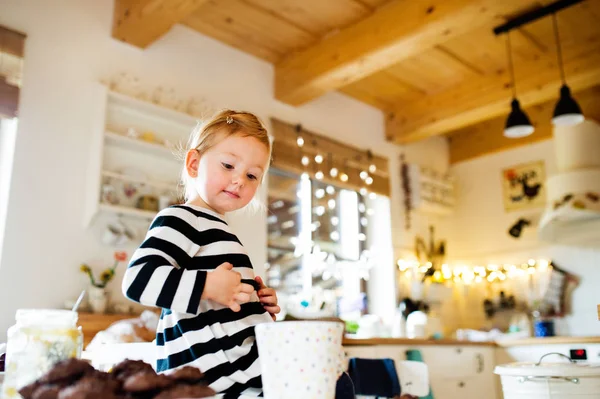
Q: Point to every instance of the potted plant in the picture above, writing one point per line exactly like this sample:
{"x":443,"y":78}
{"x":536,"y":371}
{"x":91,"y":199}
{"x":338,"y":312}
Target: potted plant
{"x":97,"y":295}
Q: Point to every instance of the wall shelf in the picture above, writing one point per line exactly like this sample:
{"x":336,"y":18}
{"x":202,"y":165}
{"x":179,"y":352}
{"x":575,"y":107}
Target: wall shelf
{"x":140,"y":180}
{"x":149,"y":108}
{"x":128,"y":211}
{"x":151,"y":167}
{"x":138,"y":145}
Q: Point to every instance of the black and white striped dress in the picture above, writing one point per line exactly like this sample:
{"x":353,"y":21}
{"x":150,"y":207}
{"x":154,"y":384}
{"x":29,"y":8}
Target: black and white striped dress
{"x":169,"y":270}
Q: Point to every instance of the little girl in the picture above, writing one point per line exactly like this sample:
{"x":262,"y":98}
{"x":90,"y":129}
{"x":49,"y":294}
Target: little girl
{"x":193,"y":266}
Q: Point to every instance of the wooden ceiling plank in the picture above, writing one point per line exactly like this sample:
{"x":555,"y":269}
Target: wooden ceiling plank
{"x":232,"y":37}
{"x":317,"y":17}
{"x":394,"y":32}
{"x":482,"y":48}
{"x":255,"y":27}
{"x":467,"y":65}
{"x":141,"y":22}
{"x":576,"y":24}
{"x":433,"y":71}
{"x":486,"y":137}
{"x":373,"y":4}
{"x":488,"y":97}
{"x":381,"y":90}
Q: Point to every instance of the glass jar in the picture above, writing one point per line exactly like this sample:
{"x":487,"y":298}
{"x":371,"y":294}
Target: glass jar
{"x":40,"y":338}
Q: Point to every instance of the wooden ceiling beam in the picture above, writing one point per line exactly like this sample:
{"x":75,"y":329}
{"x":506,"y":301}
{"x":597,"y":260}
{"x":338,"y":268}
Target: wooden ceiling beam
{"x":394,"y":32}
{"x":11,"y":42}
{"x":141,"y":22}
{"x":486,"y":137}
{"x":488,"y":97}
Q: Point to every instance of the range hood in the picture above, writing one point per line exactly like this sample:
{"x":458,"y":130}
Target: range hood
{"x":572,"y":214}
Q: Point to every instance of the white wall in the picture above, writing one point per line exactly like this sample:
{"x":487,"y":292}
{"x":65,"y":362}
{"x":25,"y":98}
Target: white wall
{"x":480,"y":231}
{"x":68,"y":47}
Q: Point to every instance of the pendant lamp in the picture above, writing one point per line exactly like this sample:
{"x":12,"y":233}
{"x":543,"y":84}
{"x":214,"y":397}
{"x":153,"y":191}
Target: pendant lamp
{"x":567,"y":112}
{"x":517,"y":124}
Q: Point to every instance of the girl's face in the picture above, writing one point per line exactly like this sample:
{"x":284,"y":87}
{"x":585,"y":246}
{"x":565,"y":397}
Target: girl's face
{"x":227,"y":176}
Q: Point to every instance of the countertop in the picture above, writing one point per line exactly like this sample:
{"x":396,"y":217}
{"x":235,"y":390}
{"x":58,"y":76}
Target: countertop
{"x":454,"y":342}
{"x":548,"y":341}
{"x":411,"y":341}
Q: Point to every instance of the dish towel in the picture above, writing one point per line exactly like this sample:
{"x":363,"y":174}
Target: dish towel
{"x":415,"y":355}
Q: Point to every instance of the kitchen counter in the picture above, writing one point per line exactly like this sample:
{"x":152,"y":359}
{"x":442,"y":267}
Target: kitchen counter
{"x":454,"y":342}
{"x":548,"y":341}
{"x":411,"y":341}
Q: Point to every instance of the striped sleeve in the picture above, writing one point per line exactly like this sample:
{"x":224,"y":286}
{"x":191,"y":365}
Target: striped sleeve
{"x":158,"y":273}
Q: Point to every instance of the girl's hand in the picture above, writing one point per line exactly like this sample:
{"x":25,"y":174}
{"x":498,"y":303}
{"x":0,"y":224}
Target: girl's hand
{"x":268,"y":298}
{"x":225,"y":286}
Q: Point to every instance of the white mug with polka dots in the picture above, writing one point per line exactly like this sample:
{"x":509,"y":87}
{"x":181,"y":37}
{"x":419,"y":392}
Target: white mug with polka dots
{"x":300,"y":359}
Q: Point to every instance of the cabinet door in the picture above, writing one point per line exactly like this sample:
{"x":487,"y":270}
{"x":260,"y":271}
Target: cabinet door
{"x":463,"y":388}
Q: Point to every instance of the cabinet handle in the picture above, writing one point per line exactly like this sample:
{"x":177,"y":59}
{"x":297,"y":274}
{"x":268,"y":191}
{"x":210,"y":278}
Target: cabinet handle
{"x":573,"y":380}
{"x":479,"y":358}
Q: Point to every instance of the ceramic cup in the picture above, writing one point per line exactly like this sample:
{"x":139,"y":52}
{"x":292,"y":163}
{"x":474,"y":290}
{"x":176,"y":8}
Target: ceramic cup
{"x":117,"y":234}
{"x":300,"y":359}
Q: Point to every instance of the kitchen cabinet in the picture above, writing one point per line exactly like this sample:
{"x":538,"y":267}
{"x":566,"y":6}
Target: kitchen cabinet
{"x":455,"y":371}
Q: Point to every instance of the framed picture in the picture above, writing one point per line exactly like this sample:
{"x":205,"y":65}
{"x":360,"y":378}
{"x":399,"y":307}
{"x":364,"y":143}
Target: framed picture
{"x":524,"y":186}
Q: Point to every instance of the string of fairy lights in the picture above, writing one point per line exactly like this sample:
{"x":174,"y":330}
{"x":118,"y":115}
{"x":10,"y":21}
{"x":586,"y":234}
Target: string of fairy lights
{"x":474,"y":274}
{"x":321,"y":167}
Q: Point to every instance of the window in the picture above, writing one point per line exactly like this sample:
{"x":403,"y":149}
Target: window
{"x":316,"y":235}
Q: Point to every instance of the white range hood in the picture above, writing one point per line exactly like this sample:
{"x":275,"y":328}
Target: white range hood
{"x":572,"y":215}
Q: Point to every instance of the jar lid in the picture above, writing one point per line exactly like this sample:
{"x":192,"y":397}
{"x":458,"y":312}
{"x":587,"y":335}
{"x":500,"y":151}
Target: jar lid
{"x":46,"y":317}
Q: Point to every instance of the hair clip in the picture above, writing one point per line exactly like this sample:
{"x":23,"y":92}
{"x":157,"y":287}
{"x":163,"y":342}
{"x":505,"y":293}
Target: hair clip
{"x":229,"y":120}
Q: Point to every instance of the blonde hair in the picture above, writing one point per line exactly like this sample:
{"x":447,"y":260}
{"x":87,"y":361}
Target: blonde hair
{"x":220,"y":126}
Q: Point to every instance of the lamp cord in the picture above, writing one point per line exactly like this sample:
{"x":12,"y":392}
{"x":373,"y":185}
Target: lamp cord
{"x":510,"y":65}
{"x":558,"y":49}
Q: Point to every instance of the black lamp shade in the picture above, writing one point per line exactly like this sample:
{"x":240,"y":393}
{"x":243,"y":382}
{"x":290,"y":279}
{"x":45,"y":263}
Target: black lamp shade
{"x":517,"y":124}
{"x":567,"y":112}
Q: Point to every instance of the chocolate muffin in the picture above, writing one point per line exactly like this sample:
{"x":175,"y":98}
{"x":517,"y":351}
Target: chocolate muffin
{"x":187,"y":374}
{"x":88,"y":388}
{"x":144,"y":381}
{"x":127,"y":368}
{"x":66,"y":370}
{"x":28,"y":390}
{"x":186,"y":391}
{"x":47,"y":392}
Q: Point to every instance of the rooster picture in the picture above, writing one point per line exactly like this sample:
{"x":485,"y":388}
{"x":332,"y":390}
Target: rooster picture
{"x":524,"y":186}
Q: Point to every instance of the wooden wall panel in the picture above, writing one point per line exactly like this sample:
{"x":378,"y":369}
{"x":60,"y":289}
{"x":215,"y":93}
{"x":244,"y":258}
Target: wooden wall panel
{"x":350,"y":160}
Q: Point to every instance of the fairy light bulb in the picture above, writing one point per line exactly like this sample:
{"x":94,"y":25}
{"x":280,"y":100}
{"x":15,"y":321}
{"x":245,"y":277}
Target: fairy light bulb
{"x":331,"y":203}
{"x":319,"y":175}
{"x":319,"y":158}
{"x":305,"y":160}
{"x":363,"y":191}
{"x":344,"y":177}
{"x":363,"y":175}
{"x":333,"y":172}
{"x":304,"y":176}
{"x":330,"y":190}
{"x":369,"y":180}
{"x":372,"y":195}
{"x":300,"y":141}
{"x":372,"y":168}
